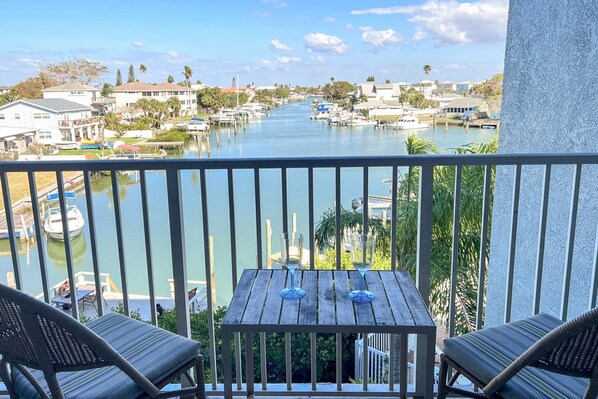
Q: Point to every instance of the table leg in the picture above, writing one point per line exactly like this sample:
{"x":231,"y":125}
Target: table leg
{"x":430,"y":356}
{"x":249,"y":364}
{"x":227,"y":364}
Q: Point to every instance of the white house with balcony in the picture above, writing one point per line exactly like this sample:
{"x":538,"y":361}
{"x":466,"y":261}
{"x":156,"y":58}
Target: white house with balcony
{"x":75,"y":92}
{"x":54,"y":120}
{"x":126,"y":95}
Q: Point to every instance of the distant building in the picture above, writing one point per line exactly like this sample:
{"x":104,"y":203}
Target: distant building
{"x":426,"y":87}
{"x":4,"y":89}
{"x":380,"y":91}
{"x":15,"y":138}
{"x":468,"y":106}
{"x":76,"y":92}
{"x":464,"y":87}
{"x":447,"y":86}
{"x":52,"y":119}
{"x":126,"y":95}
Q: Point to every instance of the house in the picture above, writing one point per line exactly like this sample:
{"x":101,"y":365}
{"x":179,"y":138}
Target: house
{"x":53,"y":119}
{"x":447,"y":86}
{"x":75,"y":92}
{"x":126,"y":95}
{"x":4,"y":89}
{"x":426,"y":87}
{"x":467,"y":105}
{"x":380,"y":91}
{"x":464,"y":87}
{"x":16,"y":138}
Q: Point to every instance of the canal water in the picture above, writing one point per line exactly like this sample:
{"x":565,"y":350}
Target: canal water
{"x":286,"y":132}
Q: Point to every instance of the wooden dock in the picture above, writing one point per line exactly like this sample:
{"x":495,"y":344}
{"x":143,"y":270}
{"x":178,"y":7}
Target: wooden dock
{"x":161,"y":144}
{"x":23,"y":225}
{"x":484,"y":123}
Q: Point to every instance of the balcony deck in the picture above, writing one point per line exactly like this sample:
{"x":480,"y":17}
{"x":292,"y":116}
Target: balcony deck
{"x":252,"y":233}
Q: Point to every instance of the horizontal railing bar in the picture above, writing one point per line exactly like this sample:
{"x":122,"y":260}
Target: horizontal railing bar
{"x":316,"y":162}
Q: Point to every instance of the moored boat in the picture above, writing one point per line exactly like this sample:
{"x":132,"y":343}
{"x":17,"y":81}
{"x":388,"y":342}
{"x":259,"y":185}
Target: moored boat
{"x":52,"y":223}
{"x":409,"y":122}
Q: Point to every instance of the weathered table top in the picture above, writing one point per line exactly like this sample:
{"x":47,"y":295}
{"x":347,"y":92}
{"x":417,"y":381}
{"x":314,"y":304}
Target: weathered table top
{"x":66,"y":297}
{"x":256,"y":305}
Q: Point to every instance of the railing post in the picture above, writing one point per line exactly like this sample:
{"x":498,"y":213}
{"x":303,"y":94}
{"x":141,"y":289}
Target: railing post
{"x":177,"y":247}
{"x":424,"y":251}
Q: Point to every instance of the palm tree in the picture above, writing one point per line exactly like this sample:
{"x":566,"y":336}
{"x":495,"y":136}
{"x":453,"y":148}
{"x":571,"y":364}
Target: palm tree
{"x":142,"y":69}
{"x":427,"y":69}
{"x":187,"y":72}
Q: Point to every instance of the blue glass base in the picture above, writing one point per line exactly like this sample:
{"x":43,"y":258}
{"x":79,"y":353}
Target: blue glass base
{"x":362,"y":296}
{"x":296,"y":293}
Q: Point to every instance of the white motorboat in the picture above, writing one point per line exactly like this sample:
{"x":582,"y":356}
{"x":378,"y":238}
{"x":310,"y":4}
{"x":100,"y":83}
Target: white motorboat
{"x":409,"y":122}
{"x":53,"y":218}
{"x":359,"y":120}
{"x":197,"y":125}
{"x":225,"y":115}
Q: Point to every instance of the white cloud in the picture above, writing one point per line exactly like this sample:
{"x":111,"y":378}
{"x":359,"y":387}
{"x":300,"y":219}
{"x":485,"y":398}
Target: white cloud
{"x":349,"y":26}
{"x":319,"y":59}
{"x":329,"y":19}
{"x":137,"y":44}
{"x":452,"y":22}
{"x":286,"y":60}
{"x":325,"y":44}
{"x":277,"y":45}
{"x":419,"y":36}
{"x":267,"y":63}
{"x":261,"y":14}
{"x":173,"y":54}
{"x":380,"y":38}
{"x":275,"y":3}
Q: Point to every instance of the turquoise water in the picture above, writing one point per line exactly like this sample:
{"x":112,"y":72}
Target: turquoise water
{"x":287,"y":132}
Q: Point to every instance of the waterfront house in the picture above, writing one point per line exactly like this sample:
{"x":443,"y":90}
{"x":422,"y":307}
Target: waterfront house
{"x":447,"y":87}
{"x":53,"y":119}
{"x":380,"y":91}
{"x":467,"y":105}
{"x":426,"y":87}
{"x":126,"y":95}
{"x":82,"y":94}
{"x":15,"y":138}
{"x":4,"y":89}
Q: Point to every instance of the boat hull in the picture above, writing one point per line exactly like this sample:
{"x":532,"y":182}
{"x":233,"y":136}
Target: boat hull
{"x":57,"y":235}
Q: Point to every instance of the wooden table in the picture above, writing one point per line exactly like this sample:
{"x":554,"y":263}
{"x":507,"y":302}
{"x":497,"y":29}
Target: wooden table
{"x":256,"y":307}
{"x":65,"y":299}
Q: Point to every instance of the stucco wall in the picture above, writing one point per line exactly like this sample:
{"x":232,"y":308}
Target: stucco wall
{"x":550,"y":99}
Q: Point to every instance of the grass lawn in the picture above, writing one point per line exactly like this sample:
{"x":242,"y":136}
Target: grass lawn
{"x":19,"y":184}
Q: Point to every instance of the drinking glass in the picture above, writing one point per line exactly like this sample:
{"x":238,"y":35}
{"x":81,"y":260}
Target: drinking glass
{"x":291,"y":256}
{"x":362,"y":256}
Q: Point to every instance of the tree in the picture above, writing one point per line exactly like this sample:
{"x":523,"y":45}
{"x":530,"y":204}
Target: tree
{"x":338,"y":90}
{"x":188,"y":73}
{"x":154,"y":110}
{"x":131,"y":77}
{"x":387,"y":81}
{"x":30,"y":88}
{"x":70,"y":70}
{"x":442,"y":231}
{"x":175,"y":106}
{"x":371,"y":78}
{"x":416,"y":99}
{"x":490,"y":89}
{"x":106,"y":90}
{"x":210,"y":98}
{"x":9,"y":97}
{"x":119,"y":78}
{"x":427,"y":69}
{"x":142,"y":69}
{"x":332,"y":79}
{"x":170,"y":79}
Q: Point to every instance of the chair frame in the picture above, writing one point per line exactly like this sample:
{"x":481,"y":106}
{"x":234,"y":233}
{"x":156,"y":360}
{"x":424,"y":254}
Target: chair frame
{"x":35,"y":316}
{"x":558,"y":351}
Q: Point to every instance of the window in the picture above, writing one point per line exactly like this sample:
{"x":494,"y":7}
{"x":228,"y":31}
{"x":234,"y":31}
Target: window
{"x":44,"y":135}
{"x":76,"y":93}
{"x":1,"y":116}
{"x":41,"y":115}
{"x":146,"y":93}
{"x":17,"y":117}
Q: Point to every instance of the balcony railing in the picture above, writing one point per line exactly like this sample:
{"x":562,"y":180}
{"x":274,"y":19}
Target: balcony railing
{"x":79,"y":122}
{"x":249,"y":175}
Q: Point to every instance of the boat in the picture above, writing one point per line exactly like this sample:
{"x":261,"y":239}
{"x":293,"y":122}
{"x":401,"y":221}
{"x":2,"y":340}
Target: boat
{"x":359,"y":120}
{"x":127,"y":151}
{"x":225,"y":115}
{"x":52,"y":223}
{"x":197,"y":125}
{"x":409,"y":122}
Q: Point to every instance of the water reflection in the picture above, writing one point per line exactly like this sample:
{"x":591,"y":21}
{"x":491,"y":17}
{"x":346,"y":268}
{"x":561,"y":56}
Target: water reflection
{"x":56,"y":252}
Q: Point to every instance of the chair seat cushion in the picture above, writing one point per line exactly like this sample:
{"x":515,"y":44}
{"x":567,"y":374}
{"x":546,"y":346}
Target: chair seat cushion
{"x":154,"y":352}
{"x":487,"y":352}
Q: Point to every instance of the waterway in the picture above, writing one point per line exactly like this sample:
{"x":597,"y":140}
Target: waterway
{"x":286,"y":132}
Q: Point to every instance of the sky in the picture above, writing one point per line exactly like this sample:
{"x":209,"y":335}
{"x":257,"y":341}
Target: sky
{"x":296,"y":42}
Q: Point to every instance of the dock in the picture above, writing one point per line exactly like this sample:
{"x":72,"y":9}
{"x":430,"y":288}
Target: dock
{"x":485,"y":123}
{"x":161,"y":144}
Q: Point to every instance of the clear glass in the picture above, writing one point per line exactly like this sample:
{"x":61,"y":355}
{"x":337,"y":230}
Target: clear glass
{"x":363,"y":247}
{"x":291,"y":257}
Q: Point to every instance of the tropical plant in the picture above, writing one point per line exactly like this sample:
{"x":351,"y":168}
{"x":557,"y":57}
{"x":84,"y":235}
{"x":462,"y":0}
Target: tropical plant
{"x":170,"y":79}
{"x":442,"y":231}
{"x":338,"y":90}
{"x":142,"y":69}
{"x":188,"y":73}
{"x":427,"y":69}
{"x":175,"y":106}
{"x":119,"y":78}
{"x":131,"y":77}
{"x":106,"y":90}
{"x":9,"y":97}
{"x":210,"y":98}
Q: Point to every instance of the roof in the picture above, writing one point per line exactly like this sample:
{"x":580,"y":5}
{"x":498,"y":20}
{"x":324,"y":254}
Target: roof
{"x":4,"y":87}
{"x":386,"y":86}
{"x":52,"y":104}
{"x":10,"y":132}
{"x":140,"y":86}
{"x":465,"y":103}
{"x":71,"y":86}
{"x":378,"y":104}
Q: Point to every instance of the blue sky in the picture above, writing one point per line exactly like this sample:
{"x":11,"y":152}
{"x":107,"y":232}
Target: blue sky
{"x":265,"y":41}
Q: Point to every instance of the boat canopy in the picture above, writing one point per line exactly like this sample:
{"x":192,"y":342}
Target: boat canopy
{"x":55,"y":196}
{"x":198,"y":119}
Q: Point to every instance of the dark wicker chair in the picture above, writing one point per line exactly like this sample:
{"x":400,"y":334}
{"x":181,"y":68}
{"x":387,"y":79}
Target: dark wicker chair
{"x":537,"y":357}
{"x":48,"y":354}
